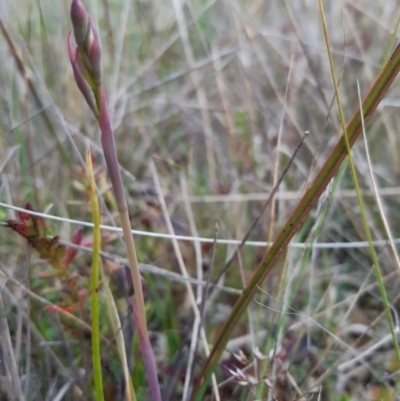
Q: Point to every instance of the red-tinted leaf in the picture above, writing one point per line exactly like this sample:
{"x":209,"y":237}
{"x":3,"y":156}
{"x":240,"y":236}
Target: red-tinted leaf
{"x":28,"y":232}
{"x":71,"y":253}
{"x":28,"y":226}
{"x":28,"y":206}
{"x":33,"y":228}
{"x":35,"y":221}
{"x":26,"y":219}
{"x":77,"y":237}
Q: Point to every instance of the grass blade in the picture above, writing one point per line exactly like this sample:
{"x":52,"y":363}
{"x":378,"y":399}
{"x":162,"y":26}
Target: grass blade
{"x":98,"y":379}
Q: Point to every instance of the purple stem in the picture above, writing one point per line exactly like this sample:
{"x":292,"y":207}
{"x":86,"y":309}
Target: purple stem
{"x":110,"y":153}
{"x":148,"y":358}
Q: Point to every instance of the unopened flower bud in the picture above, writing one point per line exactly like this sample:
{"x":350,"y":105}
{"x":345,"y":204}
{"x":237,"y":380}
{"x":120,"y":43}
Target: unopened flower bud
{"x":86,"y":59}
{"x":80,"y":73}
{"x":94,"y":53}
{"x":80,"y":21}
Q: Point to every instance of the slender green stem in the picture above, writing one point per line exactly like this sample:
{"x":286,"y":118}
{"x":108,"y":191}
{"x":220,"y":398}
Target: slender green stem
{"x":96,"y":356}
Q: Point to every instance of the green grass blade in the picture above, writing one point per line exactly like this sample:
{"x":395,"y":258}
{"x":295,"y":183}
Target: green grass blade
{"x":98,"y":379}
{"x":327,"y":171}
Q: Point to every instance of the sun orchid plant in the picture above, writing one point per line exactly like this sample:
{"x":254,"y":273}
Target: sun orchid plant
{"x":87,"y":69}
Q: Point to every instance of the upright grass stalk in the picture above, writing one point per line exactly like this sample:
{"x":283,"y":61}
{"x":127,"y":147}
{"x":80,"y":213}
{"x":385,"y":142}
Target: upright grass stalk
{"x":374,"y":257}
{"x":96,"y":356}
{"x":305,"y":205}
{"x":86,"y":65}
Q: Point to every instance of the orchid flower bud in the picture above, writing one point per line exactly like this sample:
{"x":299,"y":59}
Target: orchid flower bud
{"x":80,"y":77}
{"x":80,"y":21}
{"x":88,"y":41}
{"x":86,"y":59}
{"x":93,"y":52}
